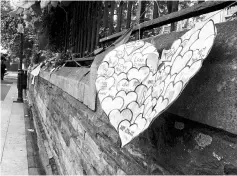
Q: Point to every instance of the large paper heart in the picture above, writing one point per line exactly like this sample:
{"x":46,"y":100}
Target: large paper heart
{"x":135,"y":86}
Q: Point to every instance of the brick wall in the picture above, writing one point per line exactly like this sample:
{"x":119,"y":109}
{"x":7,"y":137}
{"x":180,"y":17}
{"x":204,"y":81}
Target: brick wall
{"x":78,"y":139}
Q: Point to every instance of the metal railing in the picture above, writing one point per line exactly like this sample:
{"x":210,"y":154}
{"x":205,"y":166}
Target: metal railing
{"x":94,"y":24}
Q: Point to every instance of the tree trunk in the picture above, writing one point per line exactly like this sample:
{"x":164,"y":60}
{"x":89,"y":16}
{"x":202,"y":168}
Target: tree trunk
{"x":156,"y":14}
{"x":173,"y":6}
{"x":156,"y":10}
{"x":105,"y":20}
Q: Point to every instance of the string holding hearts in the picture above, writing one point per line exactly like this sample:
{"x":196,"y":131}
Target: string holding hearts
{"x":135,"y":85}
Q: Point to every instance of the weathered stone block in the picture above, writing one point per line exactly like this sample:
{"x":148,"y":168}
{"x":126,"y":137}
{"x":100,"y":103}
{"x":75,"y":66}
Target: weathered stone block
{"x":31,"y":161}
{"x":92,"y":146}
{"x":81,"y":91}
{"x":33,"y":171}
{"x":48,"y":150}
{"x":86,"y":95}
{"x":65,"y":133}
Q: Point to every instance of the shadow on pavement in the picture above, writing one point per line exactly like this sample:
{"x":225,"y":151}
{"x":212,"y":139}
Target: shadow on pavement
{"x":6,"y":82}
{"x":4,"y":91}
{"x":5,"y":87}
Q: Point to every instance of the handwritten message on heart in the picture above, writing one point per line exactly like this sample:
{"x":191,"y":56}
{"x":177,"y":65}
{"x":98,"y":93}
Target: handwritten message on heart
{"x":135,"y":86}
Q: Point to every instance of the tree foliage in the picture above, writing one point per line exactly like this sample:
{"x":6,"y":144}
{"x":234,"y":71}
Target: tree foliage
{"x":10,"y":37}
{"x":29,"y":14}
{"x":8,"y":25}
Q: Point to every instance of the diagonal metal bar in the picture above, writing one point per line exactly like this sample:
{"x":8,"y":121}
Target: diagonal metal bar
{"x":193,"y":11}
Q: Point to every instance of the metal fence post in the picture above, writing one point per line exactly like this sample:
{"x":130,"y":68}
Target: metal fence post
{"x":20,"y":73}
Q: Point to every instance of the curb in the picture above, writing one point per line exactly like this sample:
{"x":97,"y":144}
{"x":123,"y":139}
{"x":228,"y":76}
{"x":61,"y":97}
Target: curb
{"x":34,"y":163}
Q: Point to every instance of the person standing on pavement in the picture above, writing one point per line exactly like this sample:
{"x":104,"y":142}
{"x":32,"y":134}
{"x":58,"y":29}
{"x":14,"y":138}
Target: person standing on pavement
{"x":3,"y":67}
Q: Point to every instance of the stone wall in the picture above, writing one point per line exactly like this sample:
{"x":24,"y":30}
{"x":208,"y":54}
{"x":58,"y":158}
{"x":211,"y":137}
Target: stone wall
{"x":76,"y":138}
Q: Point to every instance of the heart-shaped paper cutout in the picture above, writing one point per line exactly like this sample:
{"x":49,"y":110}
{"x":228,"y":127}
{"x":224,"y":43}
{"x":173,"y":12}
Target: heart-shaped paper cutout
{"x":134,"y":86}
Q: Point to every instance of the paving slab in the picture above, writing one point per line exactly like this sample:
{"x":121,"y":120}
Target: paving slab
{"x":6,"y":110}
{"x":13,"y":140}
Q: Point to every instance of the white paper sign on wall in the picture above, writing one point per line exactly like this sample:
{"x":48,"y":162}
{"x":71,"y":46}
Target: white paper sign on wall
{"x":135,"y":86}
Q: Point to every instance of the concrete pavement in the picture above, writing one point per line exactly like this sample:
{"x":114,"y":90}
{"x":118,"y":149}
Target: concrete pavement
{"x":13,"y":138}
{"x":11,"y":75}
{"x":7,"y":82}
{"x":4,"y":90}
{"x":19,"y":154}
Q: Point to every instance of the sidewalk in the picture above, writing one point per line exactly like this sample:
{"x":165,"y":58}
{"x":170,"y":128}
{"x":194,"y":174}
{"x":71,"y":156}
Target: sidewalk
{"x":19,"y":151}
{"x":11,"y":75}
{"x":13,"y":138}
